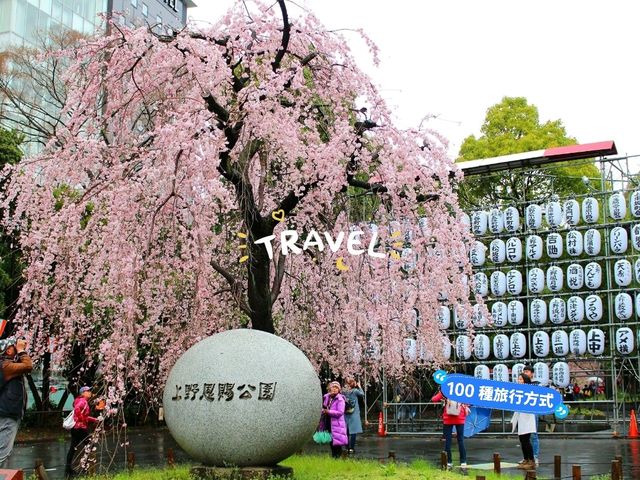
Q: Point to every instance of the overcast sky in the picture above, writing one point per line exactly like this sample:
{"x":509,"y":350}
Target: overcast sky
{"x":576,"y":60}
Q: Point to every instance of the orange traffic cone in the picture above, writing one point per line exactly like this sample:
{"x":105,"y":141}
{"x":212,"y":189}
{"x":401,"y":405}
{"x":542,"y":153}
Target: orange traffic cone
{"x":633,"y":425}
{"x":381,"y":430}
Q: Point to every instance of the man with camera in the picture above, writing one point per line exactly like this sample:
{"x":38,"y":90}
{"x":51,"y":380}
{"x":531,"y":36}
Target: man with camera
{"x":15,"y":363}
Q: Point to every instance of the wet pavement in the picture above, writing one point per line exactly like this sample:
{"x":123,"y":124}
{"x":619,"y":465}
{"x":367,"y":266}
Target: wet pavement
{"x":593,"y":454}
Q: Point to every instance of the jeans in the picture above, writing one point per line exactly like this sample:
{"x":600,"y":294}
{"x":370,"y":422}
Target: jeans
{"x":352,"y":441}
{"x":8,"y":431}
{"x":525,"y":443}
{"x":448,"y":434}
{"x":535,"y":444}
{"x":78,"y":436}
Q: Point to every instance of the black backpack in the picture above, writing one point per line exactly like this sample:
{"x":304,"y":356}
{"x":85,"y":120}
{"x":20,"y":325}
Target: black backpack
{"x":349,"y":406}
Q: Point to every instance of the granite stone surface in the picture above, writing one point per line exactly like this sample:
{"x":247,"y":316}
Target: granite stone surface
{"x":242,"y":398}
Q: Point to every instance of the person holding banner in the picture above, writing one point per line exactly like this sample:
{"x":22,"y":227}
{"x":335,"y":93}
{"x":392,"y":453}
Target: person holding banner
{"x":454,"y":415}
{"x":525,"y":424}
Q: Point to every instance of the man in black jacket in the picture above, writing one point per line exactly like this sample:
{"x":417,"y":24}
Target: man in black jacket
{"x":15,"y":364}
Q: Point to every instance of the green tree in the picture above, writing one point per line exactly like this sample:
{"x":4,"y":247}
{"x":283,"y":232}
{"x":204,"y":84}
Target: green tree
{"x":513,"y":126}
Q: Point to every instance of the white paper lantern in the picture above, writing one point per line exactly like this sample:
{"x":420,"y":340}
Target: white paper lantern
{"x":410,"y":349}
{"x":482,"y":372}
{"x":636,"y":269}
{"x":573,"y":242}
{"x":575,"y":276}
{"x":635,"y":236}
{"x":638,"y":307}
{"x":536,"y":280}
{"x":481,"y":346}
{"x":618,"y":240}
{"x":444,"y":318}
{"x":496,"y":221}
{"x":499,"y":314}
{"x":617,"y":206}
{"x":634,"y":203}
{"x":446,"y":348}
{"x":593,"y":275}
{"x":463,"y":347}
{"x":554,"y":245}
{"x":577,"y":342}
{"x":533,"y":214}
{"x":516,"y":370}
{"x":501,"y":346}
{"x":554,"y":214}
{"x":478,"y":318}
{"x":466,"y":220}
{"x":593,"y":308}
{"x":557,"y":311}
{"x":498,"y":283}
{"x":561,"y":374}
{"x":514,"y":249}
{"x":481,"y":283}
{"x":592,"y":242}
{"x":479,"y":221}
{"x":541,"y":373}
{"x":518,"y":345}
{"x":461,"y":320}
{"x":500,"y":372}
{"x":555,"y":278}
{"x":511,"y":219}
{"x":497,"y":250}
{"x":477,"y":254}
{"x":572,"y":212}
{"x":575,"y":309}
{"x":538,"y":312}
{"x":622,"y":272}
{"x":515,"y":312}
{"x":540,"y":344}
{"x":560,"y":343}
{"x":623,"y":305}
{"x":514,"y":282}
{"x":590,"y":210}
{"x":534,"y":247}
{"x":624,"y":340}
{"x":595,"y":341}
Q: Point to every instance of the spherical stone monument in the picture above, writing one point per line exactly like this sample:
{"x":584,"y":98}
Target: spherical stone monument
{"x":242,"y":398}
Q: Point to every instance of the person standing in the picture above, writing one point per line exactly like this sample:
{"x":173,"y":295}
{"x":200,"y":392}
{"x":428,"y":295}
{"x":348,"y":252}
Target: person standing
{"x":525,"y":425}
{"x":333,"y":405}
{"x":352,"y":417}
{"x":80,"y":431}
{"x":454,"y":415}
{"x":16,"y":363}
{"x":535,"y":441}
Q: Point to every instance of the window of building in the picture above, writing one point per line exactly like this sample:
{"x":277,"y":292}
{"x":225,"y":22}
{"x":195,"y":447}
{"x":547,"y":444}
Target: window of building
{"x":134,"y":3}
{"x":159,"y":20}
{"x":145,"y":10}
{"x":171,"y":4}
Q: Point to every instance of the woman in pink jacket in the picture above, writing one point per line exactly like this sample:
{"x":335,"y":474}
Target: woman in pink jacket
{"x":80,"y":431}
{"x":333,"y":405}
{"x":453,"y":416}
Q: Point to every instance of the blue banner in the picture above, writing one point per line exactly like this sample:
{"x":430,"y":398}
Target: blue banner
{"x":516,"y":397}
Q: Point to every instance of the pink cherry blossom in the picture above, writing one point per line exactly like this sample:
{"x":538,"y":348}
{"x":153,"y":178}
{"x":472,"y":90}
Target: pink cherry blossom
{"x":128,"y":220}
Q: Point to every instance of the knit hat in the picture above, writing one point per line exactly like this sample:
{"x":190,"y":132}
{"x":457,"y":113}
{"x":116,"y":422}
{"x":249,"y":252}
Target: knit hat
{"x":84,"y":389}
{"x":335,"y":384}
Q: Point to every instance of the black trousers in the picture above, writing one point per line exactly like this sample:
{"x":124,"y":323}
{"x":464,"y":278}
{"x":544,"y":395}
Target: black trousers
{"x":336,"y":451}
{"x":78,"y":437}
{"x":525,"y":443}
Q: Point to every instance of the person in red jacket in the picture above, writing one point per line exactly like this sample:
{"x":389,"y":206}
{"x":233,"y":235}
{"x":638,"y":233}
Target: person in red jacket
{"x":453,"y":416}
{"x":80,"y":431}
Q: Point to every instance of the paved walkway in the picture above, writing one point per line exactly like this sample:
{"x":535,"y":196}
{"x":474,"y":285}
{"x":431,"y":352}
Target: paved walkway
{"x":594,"y":455}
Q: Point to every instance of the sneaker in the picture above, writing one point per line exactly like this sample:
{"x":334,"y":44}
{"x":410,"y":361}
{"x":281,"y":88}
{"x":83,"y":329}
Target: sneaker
{"x":537,"y":462}
{"x":449,"y":465}
{"x":351,"y":451}
{"x":463,"y":465}
{"x":521,"y":461}
{"x":527,"y":465}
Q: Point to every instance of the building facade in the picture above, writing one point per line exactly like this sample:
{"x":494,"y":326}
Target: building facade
{"x":23,"y":22}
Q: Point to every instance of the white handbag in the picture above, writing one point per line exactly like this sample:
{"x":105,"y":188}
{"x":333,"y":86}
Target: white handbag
{"x":69,"y":422}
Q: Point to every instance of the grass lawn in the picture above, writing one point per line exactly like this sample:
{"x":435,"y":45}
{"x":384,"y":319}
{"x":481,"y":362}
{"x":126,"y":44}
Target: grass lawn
{"x":317,"y":467}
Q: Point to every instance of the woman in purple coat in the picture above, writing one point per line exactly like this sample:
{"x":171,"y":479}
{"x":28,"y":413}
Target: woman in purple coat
{"x":333,"y":406}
